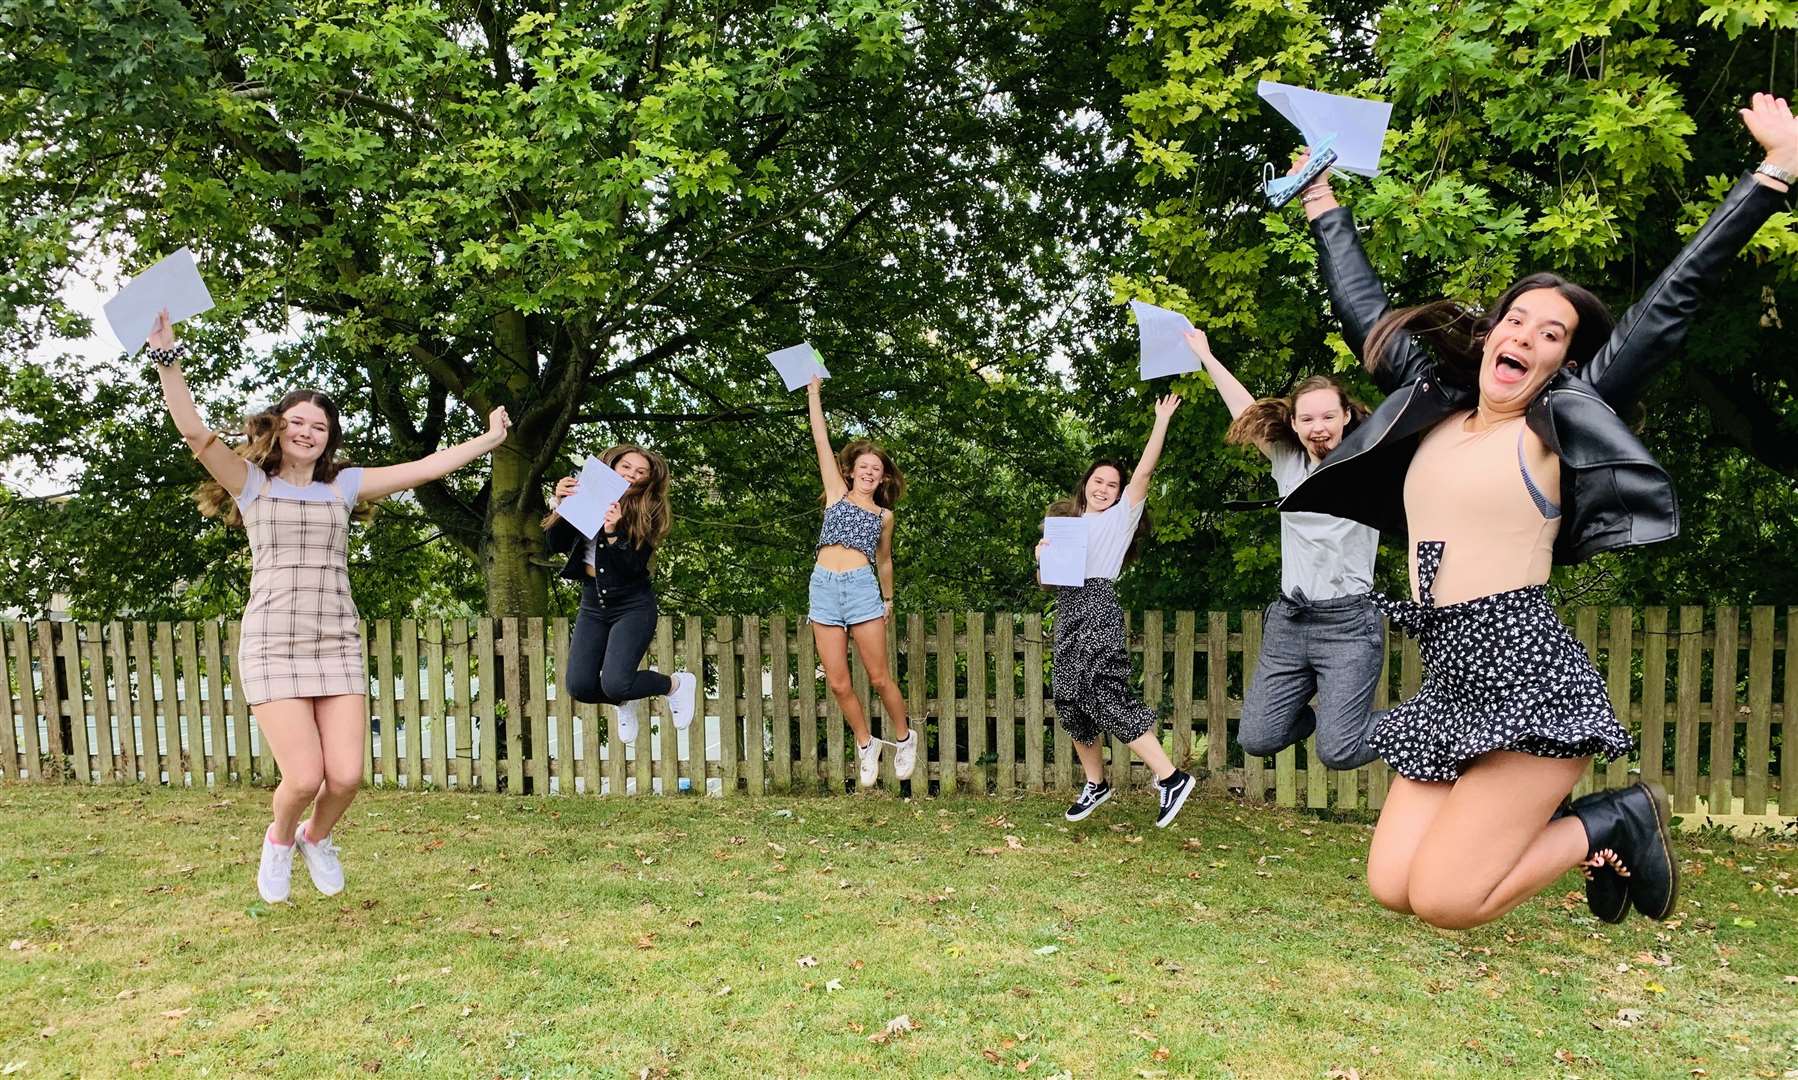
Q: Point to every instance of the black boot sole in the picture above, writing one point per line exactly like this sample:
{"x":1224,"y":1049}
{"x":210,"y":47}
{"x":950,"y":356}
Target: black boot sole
{"x":1662,"y":816}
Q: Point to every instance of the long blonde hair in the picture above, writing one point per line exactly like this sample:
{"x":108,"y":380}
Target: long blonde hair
{"x":261,"y":449}
{"x":643,"y":509}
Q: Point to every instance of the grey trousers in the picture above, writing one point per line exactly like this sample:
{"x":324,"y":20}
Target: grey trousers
{"x":1331,"y":648}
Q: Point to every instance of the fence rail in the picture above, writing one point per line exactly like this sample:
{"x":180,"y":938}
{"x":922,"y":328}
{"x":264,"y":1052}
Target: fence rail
{"x":474,"y":704}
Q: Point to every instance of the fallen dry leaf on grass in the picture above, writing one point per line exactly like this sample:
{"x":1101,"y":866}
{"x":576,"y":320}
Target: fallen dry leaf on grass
{"x":895,"y":1027}
{"x":807,"y":961}
{"x":176,"y":1014}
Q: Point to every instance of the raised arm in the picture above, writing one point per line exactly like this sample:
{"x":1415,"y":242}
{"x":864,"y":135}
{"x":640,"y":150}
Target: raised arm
{"x":384,"y":480}
{"x":1356,"y":294}
{"x":1151,"y":453}
{"x":1236,"y":396}
{"x":834,"y":488}
{"x":1655,"y":325}
{"x":218,"y":459}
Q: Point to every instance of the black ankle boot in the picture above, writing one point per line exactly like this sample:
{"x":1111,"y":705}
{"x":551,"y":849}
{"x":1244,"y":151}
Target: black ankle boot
{"x":1632,"y":822}
{"x":1607,"y":891}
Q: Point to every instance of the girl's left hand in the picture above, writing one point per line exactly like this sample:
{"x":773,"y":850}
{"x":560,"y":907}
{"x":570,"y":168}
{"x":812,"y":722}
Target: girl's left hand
{"x":1164,"y":407}
{"x":498,"y":423}
{"x":889,"y":609}
{"x":612,"y":516}
{"x":1769,"y":119}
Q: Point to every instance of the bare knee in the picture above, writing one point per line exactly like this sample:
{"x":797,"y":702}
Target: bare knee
{"x":840,"y":683}
{"x":341,"y":783}
{"x":1390,"y":890}
{"x":303,"y":778}
{"x":1447,"y":907}
{"x":879,"y":682}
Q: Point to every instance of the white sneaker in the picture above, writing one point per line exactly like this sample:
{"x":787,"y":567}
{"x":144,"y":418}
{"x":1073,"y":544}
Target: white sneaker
{"x":627,"y":721}
{"x":321,"y":861}
{"x":870,"y":758}
{"x":274,"y":877}
{"x":905,"y":755}
{"x":681,"y":697}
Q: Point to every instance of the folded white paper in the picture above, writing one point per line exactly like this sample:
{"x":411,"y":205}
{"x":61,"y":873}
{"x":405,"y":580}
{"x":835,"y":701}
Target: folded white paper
{"x":1359,"y":124}
{"x":1163,"y":336}
{"x":174,"y":283}
{"x":797,"y":364}
{"x":1064,"y":556}
{"x":600,"y":486}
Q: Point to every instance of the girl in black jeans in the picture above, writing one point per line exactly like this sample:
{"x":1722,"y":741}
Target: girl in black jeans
{"x":618,"y":607}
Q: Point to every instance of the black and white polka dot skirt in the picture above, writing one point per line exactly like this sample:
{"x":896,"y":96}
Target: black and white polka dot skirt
{"x":1091,"y":678}
{"x":1501,"y":672}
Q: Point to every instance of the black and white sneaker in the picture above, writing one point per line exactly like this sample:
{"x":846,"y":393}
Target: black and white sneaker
{"x":1090,"y":797}
{"x":1173,"y":792}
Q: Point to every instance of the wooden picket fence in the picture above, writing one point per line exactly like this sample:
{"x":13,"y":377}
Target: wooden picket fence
{"x":474,"y":705}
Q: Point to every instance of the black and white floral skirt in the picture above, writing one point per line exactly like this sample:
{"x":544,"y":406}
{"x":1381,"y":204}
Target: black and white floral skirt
{"x":1501,"y":672}
{"x":1090,"y":679}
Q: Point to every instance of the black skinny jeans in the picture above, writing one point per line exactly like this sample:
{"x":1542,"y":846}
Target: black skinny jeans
{"x":611,"y":635}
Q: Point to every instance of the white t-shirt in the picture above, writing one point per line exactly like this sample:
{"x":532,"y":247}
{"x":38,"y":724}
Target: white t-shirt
{"x":1324,"y":556}
{"x":256,"y":482}
{"x":1108,"y":534}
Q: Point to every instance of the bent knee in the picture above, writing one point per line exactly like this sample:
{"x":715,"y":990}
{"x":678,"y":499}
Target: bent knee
{"x":1448,"y":908}
{"x":344,"y":782}
{"x":614,"y":688}
{"x":583,"y":688}
{"x":1390,"y":891}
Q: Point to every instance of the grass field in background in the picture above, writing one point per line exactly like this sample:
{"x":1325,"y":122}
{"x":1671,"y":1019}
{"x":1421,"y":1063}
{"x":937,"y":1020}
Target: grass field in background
{"x":548,"y":937}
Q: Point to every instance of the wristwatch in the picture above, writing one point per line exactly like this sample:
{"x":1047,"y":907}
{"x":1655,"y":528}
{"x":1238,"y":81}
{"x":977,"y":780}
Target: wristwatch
{"x":1784,"y":176}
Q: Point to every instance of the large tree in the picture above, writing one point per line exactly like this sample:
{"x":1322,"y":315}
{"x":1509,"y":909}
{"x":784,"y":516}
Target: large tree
{"x":593,"y":213}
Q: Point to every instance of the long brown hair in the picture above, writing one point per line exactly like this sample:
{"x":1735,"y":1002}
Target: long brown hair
{"x":892,"y":481}
{"x":261,"y":449}
{"x":1457,"y":333}
{"x":1269,"y":421}
{"x":643,"y":508}
{"x":1075,"y":503}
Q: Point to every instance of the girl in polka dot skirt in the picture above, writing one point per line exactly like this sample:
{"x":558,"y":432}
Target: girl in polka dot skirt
{"x":1499,"y":452}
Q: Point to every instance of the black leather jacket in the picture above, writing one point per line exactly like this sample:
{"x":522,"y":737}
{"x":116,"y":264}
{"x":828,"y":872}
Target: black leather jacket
{"x":619,"y":565}
{"x":1613,"y":493}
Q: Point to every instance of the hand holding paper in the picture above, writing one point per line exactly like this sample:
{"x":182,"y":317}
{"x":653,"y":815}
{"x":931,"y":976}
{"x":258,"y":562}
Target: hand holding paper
{"x":1163,"y":336}
{"x":172,"y":285}
{"x":798,"y":365}
{"x":1063,"y":551}
{"x":1358,"y":124}
{"x":599,"y":489}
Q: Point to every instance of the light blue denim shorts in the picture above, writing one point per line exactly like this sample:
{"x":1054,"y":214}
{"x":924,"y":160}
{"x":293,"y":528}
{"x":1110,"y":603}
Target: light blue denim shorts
{"x":846,"y":597}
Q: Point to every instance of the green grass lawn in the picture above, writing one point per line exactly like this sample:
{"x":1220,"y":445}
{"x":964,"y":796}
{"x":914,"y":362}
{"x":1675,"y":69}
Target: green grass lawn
{"x":497,"y":936}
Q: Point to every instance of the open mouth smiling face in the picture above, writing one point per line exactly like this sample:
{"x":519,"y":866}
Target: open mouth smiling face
{"x":306,"y":433}
{"x":1525,"y":348}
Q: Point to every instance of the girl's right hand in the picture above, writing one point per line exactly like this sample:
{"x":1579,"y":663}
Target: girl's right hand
{"x":567,"y":486}
{"x":162,"y":332}
{"x":1322,"y":183}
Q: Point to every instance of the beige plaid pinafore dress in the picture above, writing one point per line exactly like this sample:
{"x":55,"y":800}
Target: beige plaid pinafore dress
{"x":301,"y":636}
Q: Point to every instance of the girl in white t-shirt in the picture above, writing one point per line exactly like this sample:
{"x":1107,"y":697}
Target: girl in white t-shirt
{"x":1091,"y":674}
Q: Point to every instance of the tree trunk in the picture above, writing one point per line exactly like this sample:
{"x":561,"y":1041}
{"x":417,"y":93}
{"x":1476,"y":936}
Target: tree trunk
{"x":516,"y":585}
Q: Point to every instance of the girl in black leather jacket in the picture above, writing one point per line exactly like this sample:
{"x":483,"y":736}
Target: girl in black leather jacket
{"x":1498,"y":452}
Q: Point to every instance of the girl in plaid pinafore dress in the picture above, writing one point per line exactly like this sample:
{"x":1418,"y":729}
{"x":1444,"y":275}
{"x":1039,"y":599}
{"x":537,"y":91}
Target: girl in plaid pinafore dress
{"x":301,"y":637}
{"x":299,"y":663}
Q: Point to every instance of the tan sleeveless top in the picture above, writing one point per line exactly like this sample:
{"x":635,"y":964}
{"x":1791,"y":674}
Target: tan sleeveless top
{"x":1488,"y":496}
